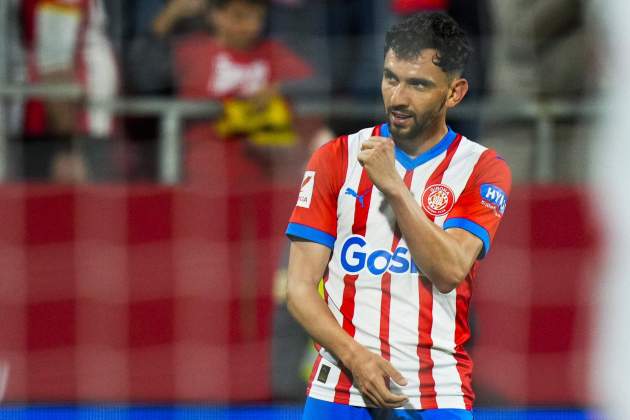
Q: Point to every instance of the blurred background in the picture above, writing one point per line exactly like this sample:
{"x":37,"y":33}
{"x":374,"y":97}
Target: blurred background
{"x":150,"y":156}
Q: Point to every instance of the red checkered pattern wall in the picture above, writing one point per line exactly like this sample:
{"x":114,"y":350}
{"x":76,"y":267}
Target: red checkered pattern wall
{"x":140,"y":293}
{"x":143,"y":293}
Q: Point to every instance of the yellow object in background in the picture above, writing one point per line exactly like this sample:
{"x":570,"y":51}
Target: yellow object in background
{"x":270,"y":126}
{"x":320,"y":288}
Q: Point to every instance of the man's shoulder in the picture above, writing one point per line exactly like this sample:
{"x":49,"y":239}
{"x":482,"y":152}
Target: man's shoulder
{"x":346,"y":143}
{"x":486,"y":155}
{"x":488,"y":162}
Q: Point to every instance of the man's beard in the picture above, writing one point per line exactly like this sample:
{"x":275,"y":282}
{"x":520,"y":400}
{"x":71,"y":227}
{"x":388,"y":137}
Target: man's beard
{"x":420,"y":123}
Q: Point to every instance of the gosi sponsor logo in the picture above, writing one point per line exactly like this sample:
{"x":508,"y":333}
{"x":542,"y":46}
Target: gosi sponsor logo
{"x":356,"y":256}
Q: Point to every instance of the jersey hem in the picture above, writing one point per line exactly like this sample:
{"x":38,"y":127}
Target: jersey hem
{"x":310,"y":234}
{"x":450,"y":402}
{"x":472,"y":227}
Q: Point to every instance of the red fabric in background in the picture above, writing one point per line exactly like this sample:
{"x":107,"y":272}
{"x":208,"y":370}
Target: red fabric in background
{"x":534,"y":298}
{"x":155,"y":294}
{"x":138,"y":294}
{"x":405,"y":7}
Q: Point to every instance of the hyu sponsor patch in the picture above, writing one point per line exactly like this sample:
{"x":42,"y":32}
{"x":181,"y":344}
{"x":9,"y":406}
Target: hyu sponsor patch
{"x":494,"y":198}
{"x":306,"y":190}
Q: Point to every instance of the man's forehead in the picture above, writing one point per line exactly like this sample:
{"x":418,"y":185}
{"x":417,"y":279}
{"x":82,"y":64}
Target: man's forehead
{"x":427,"y":56}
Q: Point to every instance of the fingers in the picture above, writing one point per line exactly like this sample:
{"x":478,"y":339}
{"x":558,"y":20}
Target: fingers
{"x":394,"y":374}
{"x":363,"y":156}
{"x":374,"y":142}
{"x":388,"y":398}
{"x":376,"y":389}
{"x":372,"y":145}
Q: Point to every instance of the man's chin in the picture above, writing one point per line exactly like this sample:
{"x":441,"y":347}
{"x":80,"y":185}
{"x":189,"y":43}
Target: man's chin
{"x":401,"y":133}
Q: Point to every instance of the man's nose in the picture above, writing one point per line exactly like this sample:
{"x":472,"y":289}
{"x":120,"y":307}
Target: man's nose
{"x":399,"y":96}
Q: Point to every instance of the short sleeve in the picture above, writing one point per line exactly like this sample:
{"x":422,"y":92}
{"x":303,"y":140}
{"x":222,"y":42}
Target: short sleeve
{"x":314,"y":217}
{"x":481,"y":206}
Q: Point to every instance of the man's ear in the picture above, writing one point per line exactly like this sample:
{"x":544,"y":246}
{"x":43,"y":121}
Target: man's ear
{"x":457,"y":91}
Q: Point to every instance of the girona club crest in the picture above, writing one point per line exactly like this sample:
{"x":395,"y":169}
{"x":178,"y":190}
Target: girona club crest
{"x":438,"y":199}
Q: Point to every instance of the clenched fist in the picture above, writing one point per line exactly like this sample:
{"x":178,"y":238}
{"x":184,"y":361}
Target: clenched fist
{"x":378,"y":158}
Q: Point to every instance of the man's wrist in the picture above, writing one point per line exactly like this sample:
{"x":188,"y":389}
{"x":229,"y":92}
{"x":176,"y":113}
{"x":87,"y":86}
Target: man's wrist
{"x":347,"y":352}
{"x":396,"y":189}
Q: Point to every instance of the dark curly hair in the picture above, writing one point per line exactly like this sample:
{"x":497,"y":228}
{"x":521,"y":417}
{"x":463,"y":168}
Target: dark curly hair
{"x":220,"y":4}
{"x":430,"y":30}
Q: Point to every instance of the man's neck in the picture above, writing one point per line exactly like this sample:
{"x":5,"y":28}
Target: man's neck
{"x":425,"y":141}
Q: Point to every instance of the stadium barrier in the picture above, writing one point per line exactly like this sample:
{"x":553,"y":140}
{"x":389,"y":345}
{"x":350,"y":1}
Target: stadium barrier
{"x":172,"y":113}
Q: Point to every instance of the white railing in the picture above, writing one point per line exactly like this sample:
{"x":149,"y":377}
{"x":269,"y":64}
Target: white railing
{"x":173,"y":112}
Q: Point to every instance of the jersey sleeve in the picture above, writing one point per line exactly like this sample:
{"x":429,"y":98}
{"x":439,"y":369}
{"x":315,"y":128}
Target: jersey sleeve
{"x":314,"y":217}
{"x":481,"y":205}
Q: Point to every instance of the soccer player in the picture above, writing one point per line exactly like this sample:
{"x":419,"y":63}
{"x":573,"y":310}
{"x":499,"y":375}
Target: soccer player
{"x":395,"y":218}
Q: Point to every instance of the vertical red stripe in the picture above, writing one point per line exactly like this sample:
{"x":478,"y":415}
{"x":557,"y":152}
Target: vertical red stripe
{"x":462,"y":334}
{"x":425,"y":296}
{"x":386,"y":282}
{"x":342,"y":390}
{"x":313,"y":373}
{"x":342,"y":394}
{"x":425,"y":343}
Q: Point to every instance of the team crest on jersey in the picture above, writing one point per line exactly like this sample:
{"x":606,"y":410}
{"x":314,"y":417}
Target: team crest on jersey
{"x":306,"y":190}
{"x":438,"y":199}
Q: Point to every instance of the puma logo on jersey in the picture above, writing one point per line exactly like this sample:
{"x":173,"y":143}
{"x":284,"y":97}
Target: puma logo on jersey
{"x":359,"y":197}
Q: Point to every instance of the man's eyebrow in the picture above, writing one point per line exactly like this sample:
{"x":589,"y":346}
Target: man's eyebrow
{"x":389,"y":72}
{"x":420,"y":81}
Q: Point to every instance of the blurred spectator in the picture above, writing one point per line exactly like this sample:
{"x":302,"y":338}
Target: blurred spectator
{"x":237,"y":66}
{"x":14,"y":69}
{"x":66,"y":43}
{"x":155,"y":26}
{"x":150,"y":30}
{"x":550,"y":38}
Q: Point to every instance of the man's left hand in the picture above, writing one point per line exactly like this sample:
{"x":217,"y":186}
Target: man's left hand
{"x":377,"y":158}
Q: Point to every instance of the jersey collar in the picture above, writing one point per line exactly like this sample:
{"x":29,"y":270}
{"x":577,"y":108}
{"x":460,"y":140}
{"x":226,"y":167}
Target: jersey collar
{"x":410,"y":163}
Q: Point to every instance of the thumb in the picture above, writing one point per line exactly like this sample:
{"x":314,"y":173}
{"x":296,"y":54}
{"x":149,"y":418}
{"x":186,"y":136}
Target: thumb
{"x":394,"y":374}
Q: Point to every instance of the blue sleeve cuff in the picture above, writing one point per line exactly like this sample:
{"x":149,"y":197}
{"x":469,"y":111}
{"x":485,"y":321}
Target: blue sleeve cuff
{"x":472,"y":227}
{"x":310,"y":234}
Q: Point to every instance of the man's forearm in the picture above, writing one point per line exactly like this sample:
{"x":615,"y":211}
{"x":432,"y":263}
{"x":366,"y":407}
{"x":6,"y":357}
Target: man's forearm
{"x":310,"y":310}
{"x":435,"y":252}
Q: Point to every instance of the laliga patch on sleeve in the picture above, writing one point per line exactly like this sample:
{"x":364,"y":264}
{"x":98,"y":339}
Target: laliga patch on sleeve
{"x":493,"y":197}
{"x":306,"y":190}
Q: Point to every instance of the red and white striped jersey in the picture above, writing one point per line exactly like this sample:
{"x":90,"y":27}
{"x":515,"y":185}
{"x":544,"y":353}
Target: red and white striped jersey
{"x":372,"y":285}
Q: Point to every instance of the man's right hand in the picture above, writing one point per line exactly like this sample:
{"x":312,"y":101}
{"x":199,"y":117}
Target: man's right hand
{"x":371,"y":374}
